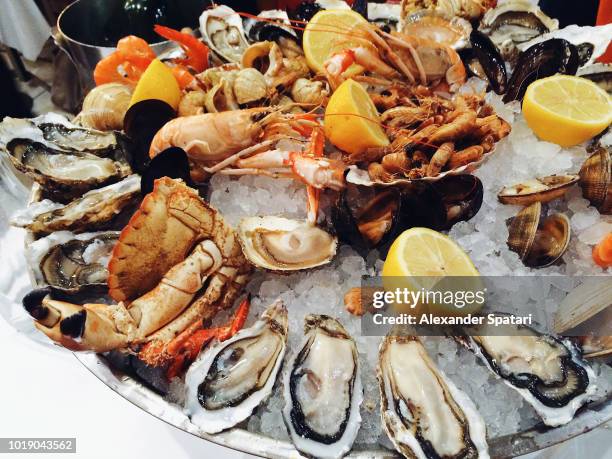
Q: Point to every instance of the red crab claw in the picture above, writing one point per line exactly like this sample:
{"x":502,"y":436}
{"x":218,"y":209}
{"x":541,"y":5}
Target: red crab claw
{"x":196,"y":51}
{"x":186,"y":346}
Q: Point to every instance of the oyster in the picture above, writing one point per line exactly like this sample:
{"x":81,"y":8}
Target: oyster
{"x":322,"y":390}
{"x":228,"y":381}
{"x":222,"y":30}
{"x":281,"y":244}
{"x":545,"y":370}
{"x":542,"y":189}
{"x":599,"y":73}
{"x":596,"y":179}
{"x":539,"y":244}
{"x":95,"y":209}
{"x":513,"y":22}
{"x":423,"y":412}
{"x":71,"y":262}
{"x":454,"y":33}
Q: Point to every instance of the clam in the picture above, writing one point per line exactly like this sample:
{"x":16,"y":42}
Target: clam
{"x":71,"y":262}
{"x":491,"y":62}
{"x":549,"y":57}
{"x":222,"y":30}
{"x":595,"y":180}
{"x":104,"y":107}
{"x":513,"y":22}
{"x":94,"y":210}
{"x":542,"y":189}
{"x":281,"y":244}
{"x":538,"y":244}
{"x":230,"y":380}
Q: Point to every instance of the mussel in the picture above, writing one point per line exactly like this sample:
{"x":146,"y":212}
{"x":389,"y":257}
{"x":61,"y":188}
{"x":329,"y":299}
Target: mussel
{"x":542,"y":189}
{"x":595,"y":180}
{"x":548,"y":57}
{"x":538,"y":242}
{"x":377,"y":219}
{"x":491,"y":62}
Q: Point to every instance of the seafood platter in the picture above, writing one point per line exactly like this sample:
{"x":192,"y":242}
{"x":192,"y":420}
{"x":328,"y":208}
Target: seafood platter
{"x":198,"y":233}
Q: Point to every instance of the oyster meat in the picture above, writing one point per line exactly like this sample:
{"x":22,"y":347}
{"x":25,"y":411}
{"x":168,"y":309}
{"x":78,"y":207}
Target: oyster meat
{"x":545,"y":370}
{"x":323,"y":391}
{"x":423,"y":412}
{"x":281,"y":244}
{"x":95,"y":209}
{"x":222,"y":30}
{"x":71,"y":262}
{"x":228,"y":381}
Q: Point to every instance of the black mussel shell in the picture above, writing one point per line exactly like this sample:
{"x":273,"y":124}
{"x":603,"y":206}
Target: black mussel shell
{"x":585,"y":51}
{"x":129,"y":363}
{"x":140,"y":124}
{"x":462,"y":197}
{"x":305,"y":11}
{"x":540,"y":61}
{"x":172,"y":162}
{"x":361,"y":7}
{"x":490,"y":60}
{"x":268,"y":31}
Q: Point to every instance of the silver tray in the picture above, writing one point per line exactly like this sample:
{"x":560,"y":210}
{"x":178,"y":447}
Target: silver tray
{"x":15,"y":282}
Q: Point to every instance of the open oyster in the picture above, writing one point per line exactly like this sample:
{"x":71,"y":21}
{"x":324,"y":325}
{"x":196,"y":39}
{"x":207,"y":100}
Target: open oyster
{"x":542,"y":189}
{"x":423,"y":412}
{"x":513,"y":22}
{"x":545,"y":370}
{"x":322,"y":390}
{"x":95,"y":209}
{"x":281,"y":244}
{"x":71,"y":262}
{"x":222,"y":30}
{"x":228,"y":381}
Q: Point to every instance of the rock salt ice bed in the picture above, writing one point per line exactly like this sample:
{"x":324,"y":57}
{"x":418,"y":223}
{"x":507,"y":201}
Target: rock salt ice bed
{"x":321,"y":291}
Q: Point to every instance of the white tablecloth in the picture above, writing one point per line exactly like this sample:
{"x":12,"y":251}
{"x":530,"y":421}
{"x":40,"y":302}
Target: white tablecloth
{"x":23,"y":27}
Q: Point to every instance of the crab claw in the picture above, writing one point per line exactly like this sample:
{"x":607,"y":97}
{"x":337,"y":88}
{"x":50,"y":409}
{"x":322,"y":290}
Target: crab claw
{"x":186,"y":346}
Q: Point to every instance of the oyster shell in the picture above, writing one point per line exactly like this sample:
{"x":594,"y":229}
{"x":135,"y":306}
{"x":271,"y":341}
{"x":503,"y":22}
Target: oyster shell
{"x":596,"y":179}
{"x":513,"y":22}
{"x":71,"y":262}
{"x":222,"y":30}
{"x":539,"y":244}
{"x":323,"y":391}
{"x":95,"y":209}
{"x":454,"y":32}
{"x":542,"y":189}
{"x":423,"y":412}
{"x":228,"y":381}
{"x":545,"y":370}
{"x":598,"y":73}
{"x":281,"y":244}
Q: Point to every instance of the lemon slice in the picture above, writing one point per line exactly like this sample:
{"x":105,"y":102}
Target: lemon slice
{"x":421,"y":259}
{"x":566,"y":110}
{"x":351,"y":121}
{"x":327,"y":33}
{"x":157,"y":82}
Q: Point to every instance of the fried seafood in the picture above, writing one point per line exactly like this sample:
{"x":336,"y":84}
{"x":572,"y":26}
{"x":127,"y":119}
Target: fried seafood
{"x":194,"y":269}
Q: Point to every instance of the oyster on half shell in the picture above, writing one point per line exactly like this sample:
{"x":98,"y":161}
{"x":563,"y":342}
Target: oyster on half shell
{"x":281,"y":244}
{"x":71,"y":262}
{"x":228,"y":381}
{"x":94,"y":210}
{"x":323,"y":391}
{"x":545,"y":370}
{"x":223,"y":31}
{"x":423,"y":412}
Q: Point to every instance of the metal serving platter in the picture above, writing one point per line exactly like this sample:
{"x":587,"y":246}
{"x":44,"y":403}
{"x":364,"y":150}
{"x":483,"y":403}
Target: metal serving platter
{"x":15,"y":281}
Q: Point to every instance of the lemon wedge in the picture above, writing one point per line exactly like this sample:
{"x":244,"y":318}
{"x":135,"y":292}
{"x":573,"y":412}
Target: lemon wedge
{"x":157,"y":82}
{"x":327,"y":33}
{"x":351,"y":121}
{"x":566,"y":110}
